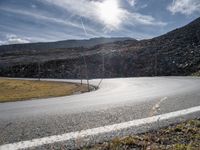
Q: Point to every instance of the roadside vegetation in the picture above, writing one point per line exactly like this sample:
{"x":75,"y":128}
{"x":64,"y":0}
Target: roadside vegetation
{"x":17,"y":90}
{"x":183,"y":136}
{"x":196,"y":74}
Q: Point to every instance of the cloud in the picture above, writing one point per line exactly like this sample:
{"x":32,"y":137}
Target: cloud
{"x":137,"y":18}
{"x":14,"y":39}
{"x":1,"y":42}
{"x":132,"y":2}
{"x":33,"y":6}
{"x":92,"y":10}
{"x":186,"y":7}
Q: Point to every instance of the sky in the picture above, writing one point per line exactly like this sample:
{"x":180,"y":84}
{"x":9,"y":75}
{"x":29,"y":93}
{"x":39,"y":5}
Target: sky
{"x":25,"y":21}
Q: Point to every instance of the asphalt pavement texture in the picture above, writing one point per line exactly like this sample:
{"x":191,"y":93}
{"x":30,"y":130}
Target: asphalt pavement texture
{"x":117,"y":100}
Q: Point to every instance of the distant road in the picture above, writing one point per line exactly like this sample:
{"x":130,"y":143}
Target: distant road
{"x":118,"y":100}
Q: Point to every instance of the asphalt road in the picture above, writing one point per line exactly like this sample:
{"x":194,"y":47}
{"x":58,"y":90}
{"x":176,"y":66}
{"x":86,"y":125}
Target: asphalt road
{"x":117,"y":100}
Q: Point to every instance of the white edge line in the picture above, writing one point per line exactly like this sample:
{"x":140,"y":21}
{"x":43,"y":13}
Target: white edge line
{"x":96,"y":131}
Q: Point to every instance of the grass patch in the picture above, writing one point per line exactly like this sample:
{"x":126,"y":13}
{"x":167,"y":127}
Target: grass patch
{"x":183,"y":136}
{"x":196,"y":74}
{"x":17,"y":90}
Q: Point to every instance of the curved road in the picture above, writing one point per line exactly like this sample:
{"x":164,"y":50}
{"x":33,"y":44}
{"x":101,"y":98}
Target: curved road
{"x":118,"y":100}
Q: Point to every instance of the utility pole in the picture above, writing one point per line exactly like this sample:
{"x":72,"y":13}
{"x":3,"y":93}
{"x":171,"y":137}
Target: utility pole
{"x":39,"y":70}
{"x":80,"y":74}
{"x":103,"y":70}
{"x":87,"y":77}
{"x":103,"y":65}
{"x":156,"y":63}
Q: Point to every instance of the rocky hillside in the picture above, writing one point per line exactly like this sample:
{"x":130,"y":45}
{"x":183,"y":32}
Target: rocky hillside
{"x":175,"y":53}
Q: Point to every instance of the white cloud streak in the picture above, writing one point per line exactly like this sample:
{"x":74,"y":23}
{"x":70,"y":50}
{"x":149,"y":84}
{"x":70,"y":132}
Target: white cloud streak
{"x":136,"y":18}
{"x":89,"y":9}
{"x":42,"y":17}
{"x":84,"y":27}
{"x":60,"y":21}
{"x":186,"y":7}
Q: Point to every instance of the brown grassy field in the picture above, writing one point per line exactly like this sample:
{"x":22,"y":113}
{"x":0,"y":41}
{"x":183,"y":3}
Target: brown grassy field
{"x":17,"y":90}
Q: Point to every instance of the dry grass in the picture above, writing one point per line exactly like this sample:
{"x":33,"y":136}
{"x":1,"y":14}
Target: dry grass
{"x":17,"y":90}
{"x":183,"y":136}
{"x":196,"y":74}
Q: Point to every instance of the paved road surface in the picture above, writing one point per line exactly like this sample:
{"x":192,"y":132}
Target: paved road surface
{"x":117,"y":100}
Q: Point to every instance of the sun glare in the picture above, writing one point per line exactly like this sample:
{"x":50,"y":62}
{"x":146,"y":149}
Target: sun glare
{"x":109,"y":13}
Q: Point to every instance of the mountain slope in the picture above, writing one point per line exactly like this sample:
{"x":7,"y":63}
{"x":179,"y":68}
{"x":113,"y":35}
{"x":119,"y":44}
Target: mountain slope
{"x":175,"y":53}
{"x":61,"y":44}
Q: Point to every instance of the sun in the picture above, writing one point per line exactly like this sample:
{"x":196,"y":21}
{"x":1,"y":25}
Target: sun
{"x":109,"y":12}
